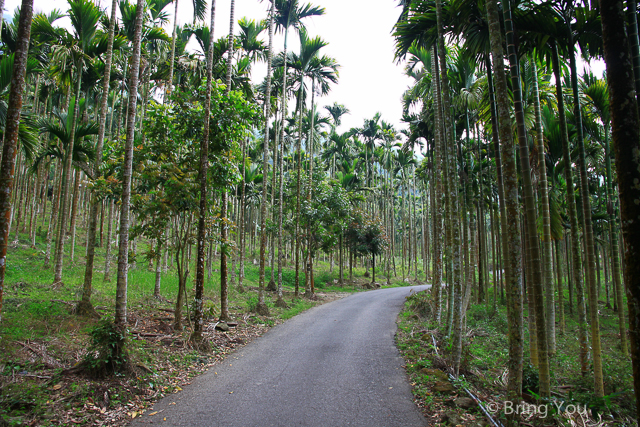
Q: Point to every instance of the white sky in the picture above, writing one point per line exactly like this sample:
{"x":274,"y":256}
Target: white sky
{"x":359,"y":37}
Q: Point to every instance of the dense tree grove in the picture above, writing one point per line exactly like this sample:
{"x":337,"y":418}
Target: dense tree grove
{"x":513,"y":182}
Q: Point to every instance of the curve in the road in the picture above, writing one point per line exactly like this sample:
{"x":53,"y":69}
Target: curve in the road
{"x":334,"y":365}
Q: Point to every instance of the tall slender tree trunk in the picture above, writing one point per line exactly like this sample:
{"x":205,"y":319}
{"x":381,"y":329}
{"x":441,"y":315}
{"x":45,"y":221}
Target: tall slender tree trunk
{"x":510,"y":180}
{"x":66,"y":177}
{"x":414,"y":224}
{"x":35,"y":207}
{"x":530,"y":208}
{"x":599,"y":282}
{"x":626,"y":140}
{"x":74,"y":214}
{"x":439,"y":196}
{"x":183,"y":229}
{"x":9,"y":148}
{"x":567,"y":245}
{"x":107,"y":254}
{"x":158,"y":279}
{"x":283,"y":104}
{"x":297,"y":238}
{"x":547,"y":273}
{"x":55,"y":206}
{"x":576,"y":259}
{"x":233,"y":217}
{"x":605,"y":263}
{"x":473,"y":236}
{"x":272,"y":285}
{"x":123,"y":241}
{"x":494,"y":272}
{"x":198,"y":323}
{"x":19,"y":197}
{"x":241,"y":221}
{"x":310,"y":289}
{"x":455,"y":220}
{"x":559,"y":277}
{"x":172,"y":56}
{"x":403,"y":228}
{"x":281,"y":253}
{"x":426,"y":233}
{"x":596,"y":346}
{"x":224,"y":285}
{"x":615,"y":251}
{"x":498,"y":158}
{"x":340,"y":262}
{"x":482,"y":285}
{"x":531,"y":303}
{"x":634,"y":43}
{"x":262,"y":308}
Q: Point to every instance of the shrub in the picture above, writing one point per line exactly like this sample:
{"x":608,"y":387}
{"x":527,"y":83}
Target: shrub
{"x":322,"y":279}
{"x":252,"y":304}
{"x":107,"y":351}
{"x":486,"y":314}
{"x":530,"y":380}
{"x":420,"y":303}
{"x":208,"y":310}
{"x":288,"y":277}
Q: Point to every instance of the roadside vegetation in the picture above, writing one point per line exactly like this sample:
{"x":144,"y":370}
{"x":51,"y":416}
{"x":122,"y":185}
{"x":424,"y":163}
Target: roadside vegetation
{"x":444,"y":399}
{"x":43,"y":341}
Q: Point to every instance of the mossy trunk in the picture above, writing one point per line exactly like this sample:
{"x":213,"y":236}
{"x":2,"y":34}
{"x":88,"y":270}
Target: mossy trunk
{"x":626,"y":136}
{"x":510,"y":181}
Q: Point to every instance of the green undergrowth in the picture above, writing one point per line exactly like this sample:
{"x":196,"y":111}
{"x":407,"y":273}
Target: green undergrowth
{"x":297,"y":306}
{"x":41,"y":338}
{"x":424,"y":345}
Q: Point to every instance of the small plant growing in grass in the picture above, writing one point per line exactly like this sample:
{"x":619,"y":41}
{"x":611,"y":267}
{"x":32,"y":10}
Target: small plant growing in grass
{"x":252,"y":304}
{"x":423,"y":363}
{"x":420,"y":303}
{"x":107,"y":351}
{"x":288,"y":277}
{"x":322,"y":279}
{"x":530,"y":380}
{"x":208,"y":310}
{"x":297,"y":307}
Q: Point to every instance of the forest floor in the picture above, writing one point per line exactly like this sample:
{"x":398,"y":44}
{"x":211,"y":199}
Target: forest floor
{"x":41,"y":337}
{"x":483,"y":372}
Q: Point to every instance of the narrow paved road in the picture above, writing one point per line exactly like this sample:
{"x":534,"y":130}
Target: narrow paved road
{"x":334,"y":365}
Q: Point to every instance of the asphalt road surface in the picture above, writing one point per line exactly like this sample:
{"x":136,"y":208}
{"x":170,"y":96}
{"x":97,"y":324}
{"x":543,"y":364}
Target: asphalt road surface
{"x":334,"y":365}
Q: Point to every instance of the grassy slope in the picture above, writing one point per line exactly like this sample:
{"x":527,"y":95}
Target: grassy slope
{"x":39,"y":335}
{"x":485,"y":354}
